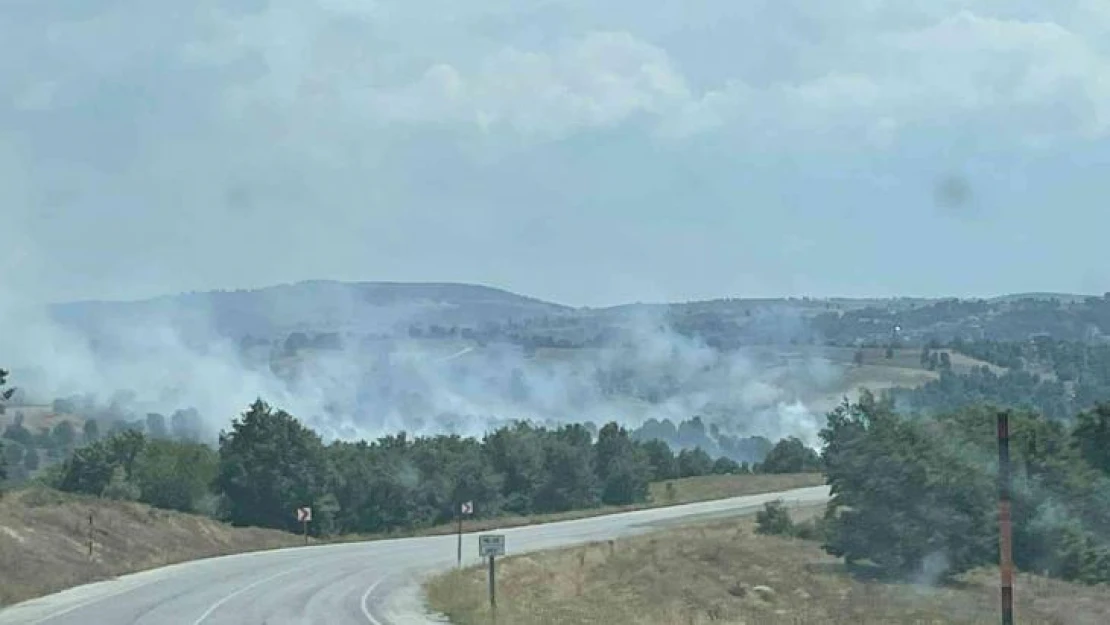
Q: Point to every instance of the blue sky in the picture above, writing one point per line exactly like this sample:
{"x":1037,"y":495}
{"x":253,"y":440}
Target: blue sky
{"x":590,"y":153}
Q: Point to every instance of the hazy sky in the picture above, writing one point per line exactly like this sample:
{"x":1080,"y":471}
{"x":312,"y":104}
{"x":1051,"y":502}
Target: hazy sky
{"x":587,"y":152}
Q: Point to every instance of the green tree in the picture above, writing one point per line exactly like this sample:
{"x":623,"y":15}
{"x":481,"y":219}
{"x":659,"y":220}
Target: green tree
{"x":90,"y":469}
{"x":882,"y":468}
{"x":694,"y":462}
{"x":17,"y":432}
{"x":63,"y":436}
{"x":91,"y":431}
{"x":790,"y":455}
{"x":185,"y":425}
{"x":156,"y":425}
{"x":270,"y":464}
{"x":623,"y":468}
{"x":662,"y":460}
{"x":120,"y":487}
{"x":516,"y":453}
{"x":1091,"y":437}
{"x":5,"y":392}
{"x":5,"y":395}
{"x":725,"y":466}
{"x":569,"y":478}
{"x":774,"y":519}
{"x":175,"y":475}
{"x":31,"y":460}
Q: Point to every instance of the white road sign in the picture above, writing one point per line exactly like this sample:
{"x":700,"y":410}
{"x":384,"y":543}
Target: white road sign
{"x":468,"y":507}
{"x":491,"y":545}
{"x":304,"y":514}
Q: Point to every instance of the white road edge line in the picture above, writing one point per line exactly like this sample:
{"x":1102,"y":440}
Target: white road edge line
{"x":365,"y":597}
{"x":216,"y":606}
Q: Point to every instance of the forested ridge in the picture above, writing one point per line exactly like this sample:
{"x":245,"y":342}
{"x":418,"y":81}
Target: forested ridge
{"x":1057,"y":378}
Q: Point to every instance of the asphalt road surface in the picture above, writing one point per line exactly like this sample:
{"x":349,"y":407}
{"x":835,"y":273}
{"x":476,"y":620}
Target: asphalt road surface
{"x":371,"y":583}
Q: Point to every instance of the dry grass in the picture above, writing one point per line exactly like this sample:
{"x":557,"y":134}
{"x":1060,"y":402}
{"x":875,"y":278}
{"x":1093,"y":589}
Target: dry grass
{"x":710,"y":487}
{"x":725,"y":573}
{"x":44,"y":541}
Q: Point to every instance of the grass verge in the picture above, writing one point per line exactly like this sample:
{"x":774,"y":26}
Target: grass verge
{"x":44,"y":540}
{"x":726,"y":573}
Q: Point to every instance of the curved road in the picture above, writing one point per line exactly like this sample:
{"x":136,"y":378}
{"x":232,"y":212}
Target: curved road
{"x":371,"y":583}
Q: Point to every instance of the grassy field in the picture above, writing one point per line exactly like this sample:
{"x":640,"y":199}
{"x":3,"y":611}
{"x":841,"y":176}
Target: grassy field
{"x":44,"y":534}
{"x":725,"y":573}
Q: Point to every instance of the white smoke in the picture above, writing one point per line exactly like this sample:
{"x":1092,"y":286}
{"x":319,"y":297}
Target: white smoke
{"x":369,"y":388}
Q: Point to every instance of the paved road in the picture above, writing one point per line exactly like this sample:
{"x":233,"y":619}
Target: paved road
{"x":372,"y":583}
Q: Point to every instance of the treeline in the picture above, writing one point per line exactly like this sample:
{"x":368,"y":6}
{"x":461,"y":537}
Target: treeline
{"x":1012,"y":389}
{"x":694,"y":433}
{"x":27,"y":451}
{"x":267,"y":464}
{"x":917,"y":496}
{"x":1053,"y":377}
{"x":1013,"y":320}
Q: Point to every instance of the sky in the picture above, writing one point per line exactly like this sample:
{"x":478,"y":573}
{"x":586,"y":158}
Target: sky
{"x":590,"y":153}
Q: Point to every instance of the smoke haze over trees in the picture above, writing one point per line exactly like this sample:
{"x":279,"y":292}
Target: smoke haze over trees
{"x":268,"y":464}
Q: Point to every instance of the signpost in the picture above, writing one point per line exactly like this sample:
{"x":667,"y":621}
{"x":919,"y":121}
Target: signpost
{"x":1005,"y":537}
{"x":304,"y":515}
{"x":467,"y":508}
{"x":490,"y":546}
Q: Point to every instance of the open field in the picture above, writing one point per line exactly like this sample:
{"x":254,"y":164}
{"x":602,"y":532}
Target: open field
{"x":725,"y":573}
{"x":44,"y":534}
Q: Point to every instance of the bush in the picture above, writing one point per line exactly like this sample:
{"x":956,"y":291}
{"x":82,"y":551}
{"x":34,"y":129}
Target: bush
{"x":774,"y":520}
{"x":120,"y":488}
{"x":790,"y":455}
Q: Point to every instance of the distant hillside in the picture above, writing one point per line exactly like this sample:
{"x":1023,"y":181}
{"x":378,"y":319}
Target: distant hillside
{"x":314,"y":306}
{"x":441,"y":310}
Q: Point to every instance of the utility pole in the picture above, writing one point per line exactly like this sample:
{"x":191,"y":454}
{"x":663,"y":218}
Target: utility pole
{"x":1005,"y":537}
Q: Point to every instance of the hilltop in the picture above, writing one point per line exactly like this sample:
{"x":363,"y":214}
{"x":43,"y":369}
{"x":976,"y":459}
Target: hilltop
{"x":311,"y":306}
{"x":443,"y":309}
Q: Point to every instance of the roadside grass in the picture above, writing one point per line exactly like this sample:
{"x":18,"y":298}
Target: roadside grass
{"x":726,"y":573}
{"x":44,"y":534}
{"x":44,"y":538}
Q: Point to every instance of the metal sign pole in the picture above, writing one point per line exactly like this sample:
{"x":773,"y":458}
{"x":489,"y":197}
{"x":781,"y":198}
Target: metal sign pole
{"x":492,"y":586}
{"x":458,"y":512}
{"x":1005,"y":537}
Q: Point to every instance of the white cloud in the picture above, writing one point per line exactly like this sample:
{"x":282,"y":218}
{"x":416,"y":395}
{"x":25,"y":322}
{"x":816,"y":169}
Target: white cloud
{"x":961,"y":66}
{"x":356,"y":128}
{"x":598,"y":80}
